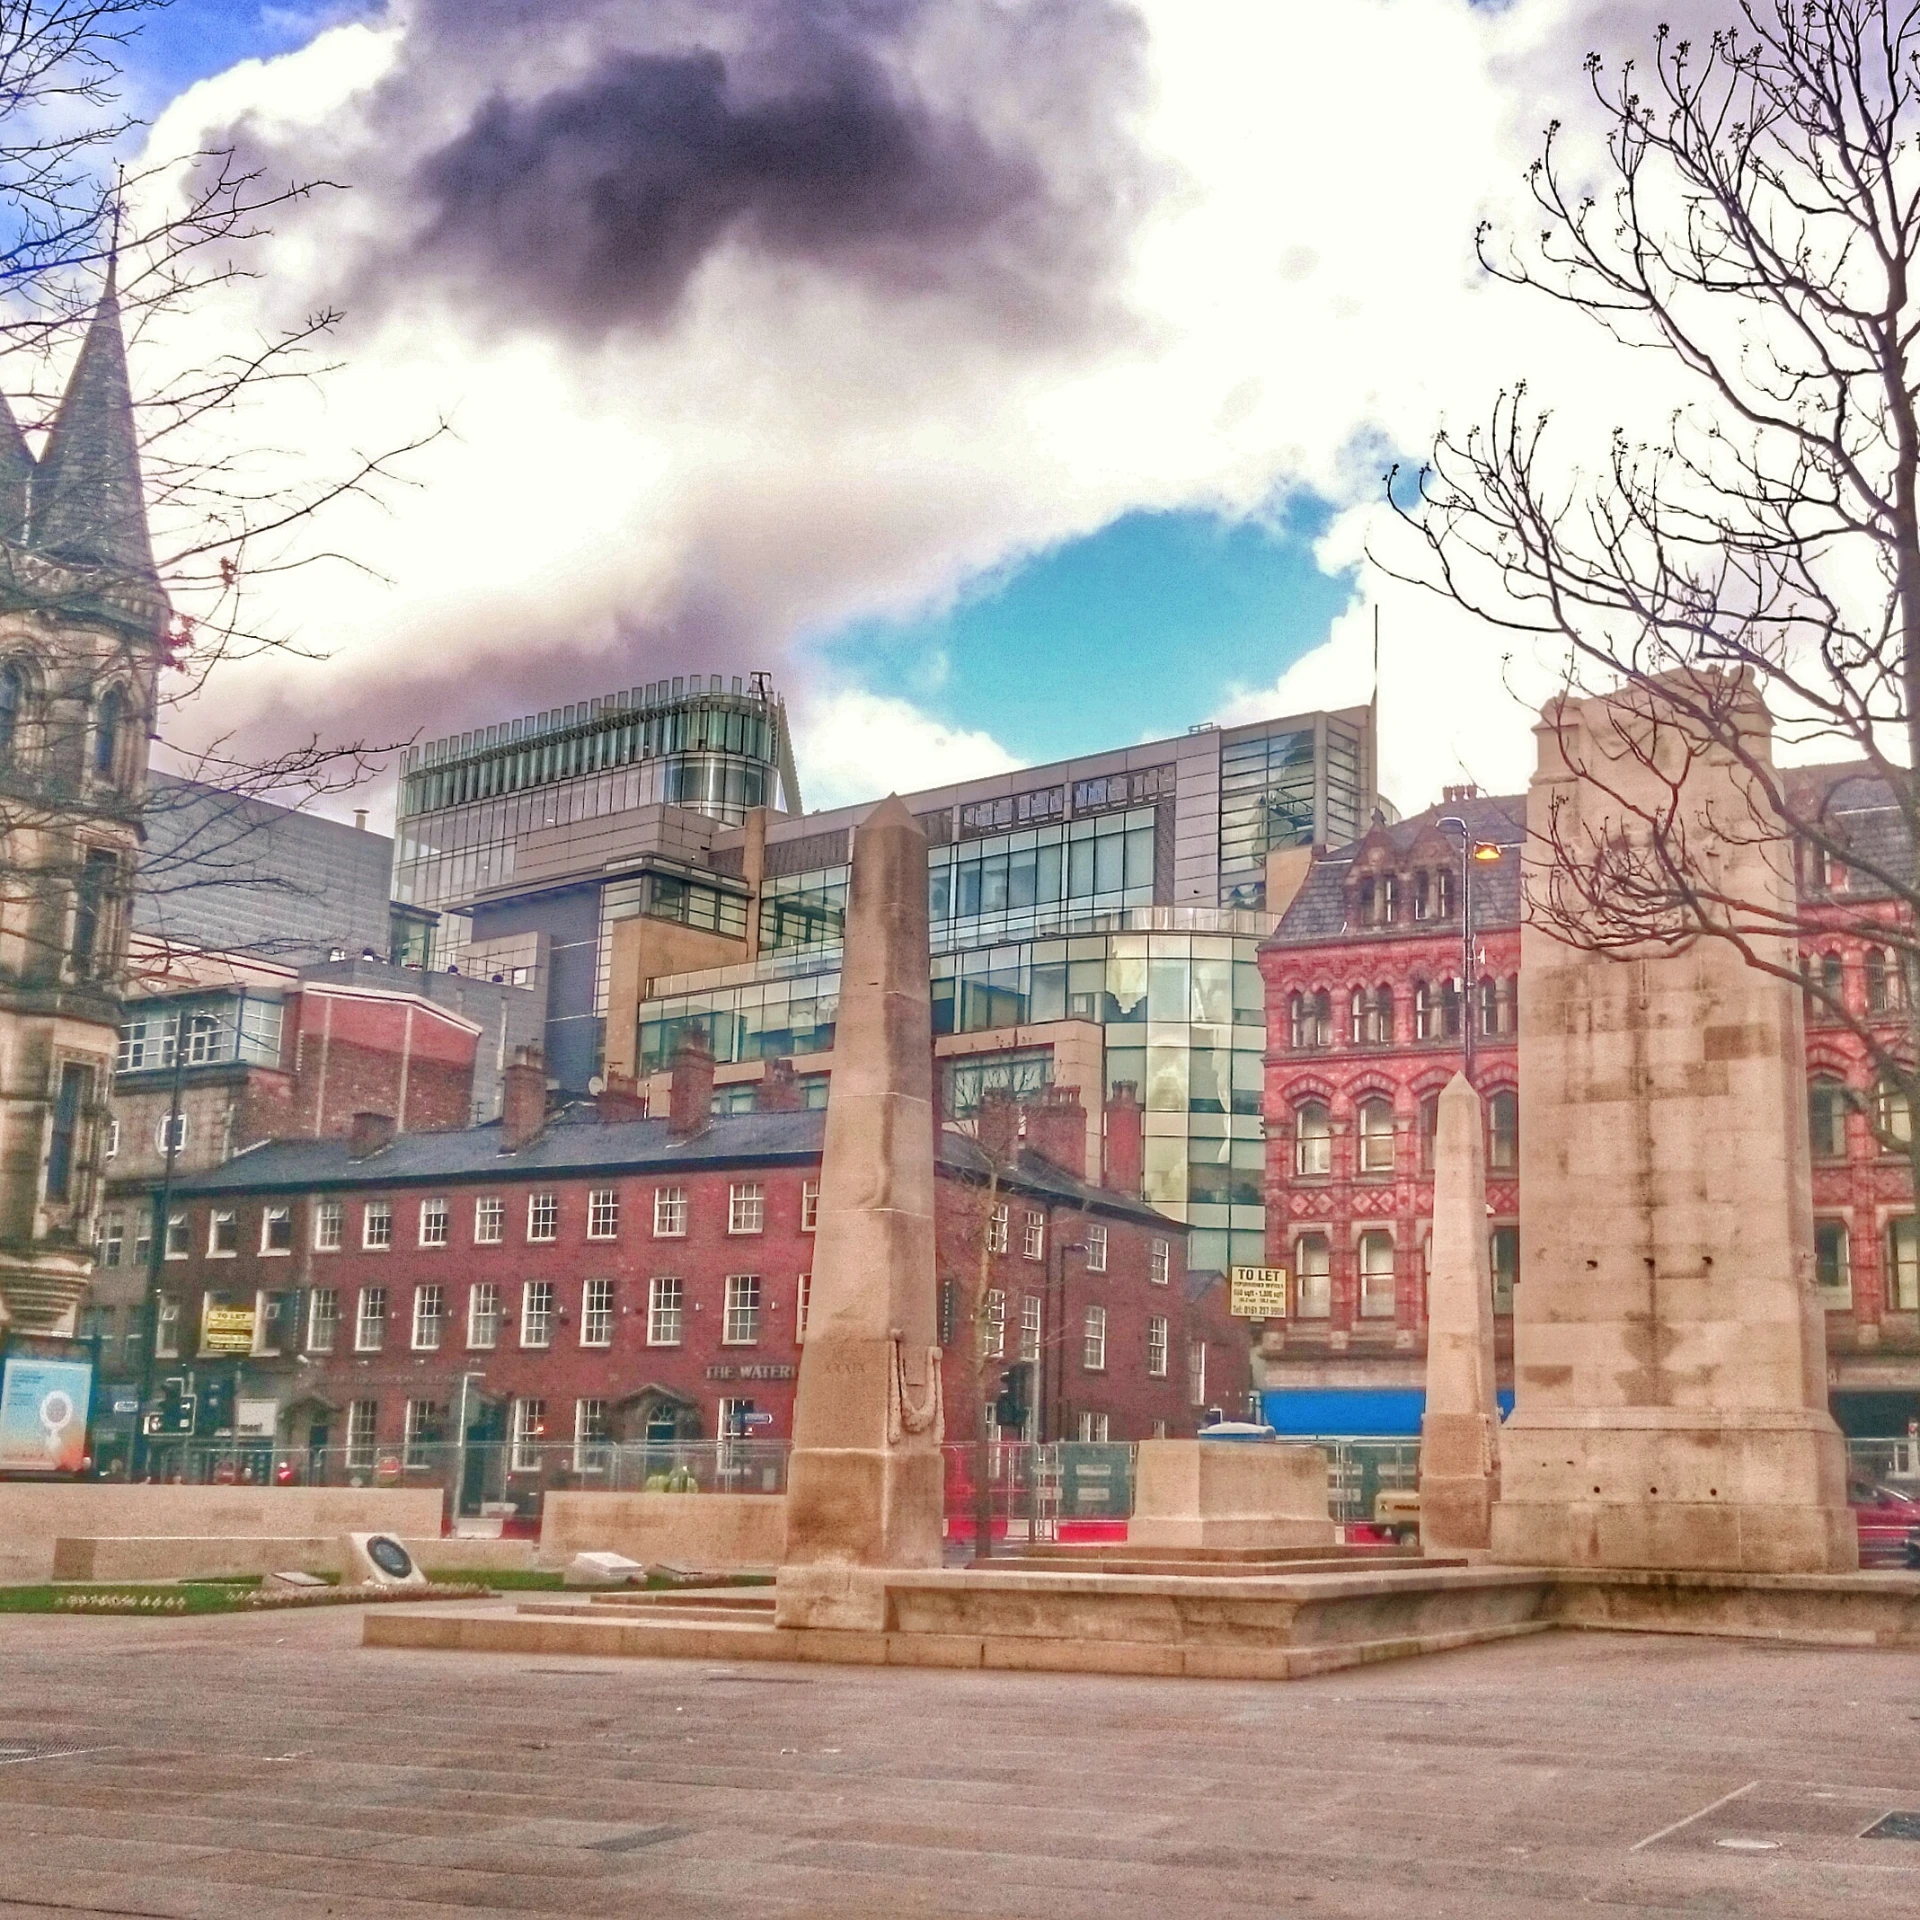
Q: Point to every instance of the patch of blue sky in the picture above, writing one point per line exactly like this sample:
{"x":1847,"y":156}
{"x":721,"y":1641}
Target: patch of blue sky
{"x":1134,"y":632}
{"x":190,"y":40}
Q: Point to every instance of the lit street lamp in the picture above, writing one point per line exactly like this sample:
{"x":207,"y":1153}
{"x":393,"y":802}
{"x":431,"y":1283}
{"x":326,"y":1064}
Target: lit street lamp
{"x":1484,"y":853}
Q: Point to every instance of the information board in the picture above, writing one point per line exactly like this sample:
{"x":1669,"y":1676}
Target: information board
{"x":227,"y":1330}
{"x":1258,"y":1293}
{"x":43,"y":1414}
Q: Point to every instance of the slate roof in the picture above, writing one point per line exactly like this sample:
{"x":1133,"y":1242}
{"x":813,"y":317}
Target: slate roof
{"x":1318,"y":911}
{"x":1863,"y":809}
{"x":16,"y":475}
{"x":579,"y":1143}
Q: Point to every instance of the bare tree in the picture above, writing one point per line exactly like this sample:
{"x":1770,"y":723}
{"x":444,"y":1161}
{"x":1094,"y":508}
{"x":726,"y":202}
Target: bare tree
{"x":1757,"y":231}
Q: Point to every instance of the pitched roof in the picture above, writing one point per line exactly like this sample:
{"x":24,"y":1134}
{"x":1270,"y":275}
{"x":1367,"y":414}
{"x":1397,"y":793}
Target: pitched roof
{"x":578,"y":1143}
{"x":1318,"y":912}
{"x":89,"y":501}
{"x":16,"y":475}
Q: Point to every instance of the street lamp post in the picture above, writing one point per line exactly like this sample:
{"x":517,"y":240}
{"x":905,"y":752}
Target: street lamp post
{"x":1471,"y":851}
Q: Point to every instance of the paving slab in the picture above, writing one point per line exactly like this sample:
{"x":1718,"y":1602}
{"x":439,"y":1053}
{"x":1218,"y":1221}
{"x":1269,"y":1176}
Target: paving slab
{"x":251,"y":1768}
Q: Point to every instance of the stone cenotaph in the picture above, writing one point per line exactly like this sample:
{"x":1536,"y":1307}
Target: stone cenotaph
{"x":1669,"y":1350}
{"x":1460,"y":1430}
{"x":864,"y":1479}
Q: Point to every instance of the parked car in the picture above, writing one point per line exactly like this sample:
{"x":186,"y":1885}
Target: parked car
{"x":1889,"y":1523}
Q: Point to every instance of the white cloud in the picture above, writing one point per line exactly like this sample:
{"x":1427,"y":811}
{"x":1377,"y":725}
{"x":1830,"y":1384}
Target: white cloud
{"x":1292,"y":189}
{"x":857,"y":746}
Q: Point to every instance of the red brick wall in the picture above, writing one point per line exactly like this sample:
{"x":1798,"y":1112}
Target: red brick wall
{"x":374,"y":1053}
{"x":566,"y":1372}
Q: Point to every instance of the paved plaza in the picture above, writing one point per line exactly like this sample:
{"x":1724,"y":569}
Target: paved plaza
{"x":256,"y":1766}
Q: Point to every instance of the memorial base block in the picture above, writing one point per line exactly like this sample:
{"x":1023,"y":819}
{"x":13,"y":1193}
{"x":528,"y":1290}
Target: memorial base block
{"x":1229,"y":1494}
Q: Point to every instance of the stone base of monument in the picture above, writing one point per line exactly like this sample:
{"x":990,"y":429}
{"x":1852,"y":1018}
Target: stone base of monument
{"x":1231,"y":1495}
{"x":1311,"y":1617}
{"x":1763,"y":1492}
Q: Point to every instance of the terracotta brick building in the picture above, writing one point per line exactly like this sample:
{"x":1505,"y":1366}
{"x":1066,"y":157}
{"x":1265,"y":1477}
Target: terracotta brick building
{"x":1365,"y":1026}
{"x":596,"y":1276}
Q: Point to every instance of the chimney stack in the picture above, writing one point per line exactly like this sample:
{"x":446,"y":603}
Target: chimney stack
{"x":619,"y":1100}
{"x":1057,"y":1129}
{"x":690,"y":1106}
{"x":998,"y":1123}
{"x":523,"y":1105}
{"x":1126,"y":1150}
{"x":778,"y":1091}
{"x":368,"y":1133}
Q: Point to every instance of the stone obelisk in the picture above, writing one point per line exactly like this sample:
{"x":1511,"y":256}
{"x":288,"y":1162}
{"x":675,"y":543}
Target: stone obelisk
{"x":864,"y":1480}
{"x":1460,"y":1429}
{"x":1669,"y":1349}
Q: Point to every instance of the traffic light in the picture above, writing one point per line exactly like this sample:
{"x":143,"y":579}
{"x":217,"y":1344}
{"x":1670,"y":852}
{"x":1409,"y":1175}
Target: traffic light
{"x":216,"y":1405}
{"x":176,"y":1407}
{"x":1010,"y":1406}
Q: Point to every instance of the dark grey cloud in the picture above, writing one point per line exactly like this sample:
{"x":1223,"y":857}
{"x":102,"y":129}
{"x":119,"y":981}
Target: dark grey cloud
{"x":596,"y":203}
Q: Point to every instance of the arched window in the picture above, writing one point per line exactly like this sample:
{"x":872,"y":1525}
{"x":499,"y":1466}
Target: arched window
{"x":1376,"y":1276}
{"x":13,"y":697}
{"x":1376,"y":1136}
{"x":1322,"y":1023}
{"x":1422,"y":895}
{"x":1892,"y":1117}
{"x":109,"y":721}
{"x":1443,"y":894}
{"x":1373,"y":1017}
{"x":1497,"y":1007}
{"x":1358,"y":1005}
{"x":1299,"y":1012}
{"x":1446,"y":1011}
{"x":1827,"y":1119}
{"x":1826,"y":975}
{"x":1383,"y":1016}
{"x":1312,"y":1138}
{"x":1422,"y":1011}
{"x":1429,"y":1130}
{"x":1886,"y":982}
{"x":1503,"y":1132}
{"x":1312,"y":1277}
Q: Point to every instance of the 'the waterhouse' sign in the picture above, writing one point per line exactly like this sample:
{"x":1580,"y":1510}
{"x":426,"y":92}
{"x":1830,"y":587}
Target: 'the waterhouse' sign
{"x":1258,"y":1293}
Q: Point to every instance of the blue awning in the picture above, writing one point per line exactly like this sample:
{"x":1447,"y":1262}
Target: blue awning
{"x":1385,"y":1412}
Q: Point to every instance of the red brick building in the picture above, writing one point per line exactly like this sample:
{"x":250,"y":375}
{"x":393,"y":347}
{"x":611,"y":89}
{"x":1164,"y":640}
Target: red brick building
{"x":594,"y":1277}
{"x":1365,"y":1025}
{"x":1367,"y":1021}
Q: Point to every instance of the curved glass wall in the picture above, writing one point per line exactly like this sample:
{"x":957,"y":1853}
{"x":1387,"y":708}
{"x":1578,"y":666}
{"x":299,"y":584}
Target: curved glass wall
{"x":1182,"y":1018}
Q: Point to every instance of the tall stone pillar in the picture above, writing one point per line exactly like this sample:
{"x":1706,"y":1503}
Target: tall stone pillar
{"x":864,"y":1480}
{"x":1670,"y":1355}
{"x":1459,"y":1431}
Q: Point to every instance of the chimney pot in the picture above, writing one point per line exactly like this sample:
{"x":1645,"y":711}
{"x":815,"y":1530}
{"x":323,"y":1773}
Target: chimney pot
{"x":690,"y":1103}
{"x":778,"y":1091}
{"x":368,"y":1134}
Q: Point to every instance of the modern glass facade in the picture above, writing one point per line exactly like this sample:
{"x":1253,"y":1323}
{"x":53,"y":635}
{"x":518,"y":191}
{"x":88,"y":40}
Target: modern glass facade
{"x":209,"y":1027}
{"x":1182,"y":1019}
{"x":467,"y":800}
{"x":1288,"y":786}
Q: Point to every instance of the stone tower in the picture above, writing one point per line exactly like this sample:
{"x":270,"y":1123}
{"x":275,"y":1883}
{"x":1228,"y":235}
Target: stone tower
{"x":1669,"y":1351}
{"x":82,"y":634}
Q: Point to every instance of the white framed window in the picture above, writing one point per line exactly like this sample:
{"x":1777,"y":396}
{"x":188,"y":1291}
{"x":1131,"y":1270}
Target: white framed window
{"x":433,"y":1223}
{"x":362,"y":1422}
{"x":1377,"y":1293}
{"x":171,"y":1133}
{"x":483,"y":1314}
{"x":113,"y":1238}
{"x":543,"y":1216}
{"x":370,"y":1323}
{"x":1160,"y":1264}
{"x":1093,"y":1346}
{"x":743,"y":1310}
{"x":223,"y":1233}
{"x":1312,"y":1138}
{"x":746,"y":1207}
{"x":809,"y":1206}
{"x":603,"y":1214}
{"x":666,"y":1306}
{"x":994,"y":1330}
{"x":1833,"y":1264}
{"x":376,"y":1226}
{"x":592,"y":1436}
{"x":1030,"y":1327}
{"x":536,"y":1313}
{"x":329,"y":1224}
{"x":276,"y":1231}
{"x":1376,"y":1136}
{"x":1096,"y":1245}
{"x":179,"y":1237}
{"x":323,"y":1319}
{"x":1503,"y":1258}
{"x":669,"y":1213}
{"x":1159,"y":1429}
{"x":997,"y":1229}
{"x":1093,"y":1426}
{"x":529,"y":1429}
{"x":1033,"y":1235}
{"x":429,"y":1317}
{"x":802,"y":1300}
{"x":1903,"y":1264}
{"x":166,"y":1337}
{"x":1312,"y":1277}
{"x":596,"y":1313}
{"x":1196,"y":1373}
{"x":113,"y":1139}
{"x":489,"y":1220}
{"x":1157,"y":1346}
{"x":426,"y":1429}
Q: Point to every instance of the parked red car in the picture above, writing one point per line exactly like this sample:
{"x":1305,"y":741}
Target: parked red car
{"x":1889,"y":1523}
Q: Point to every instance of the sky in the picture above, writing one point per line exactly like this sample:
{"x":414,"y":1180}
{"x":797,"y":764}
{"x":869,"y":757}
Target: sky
{"x":1009,"y":377}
